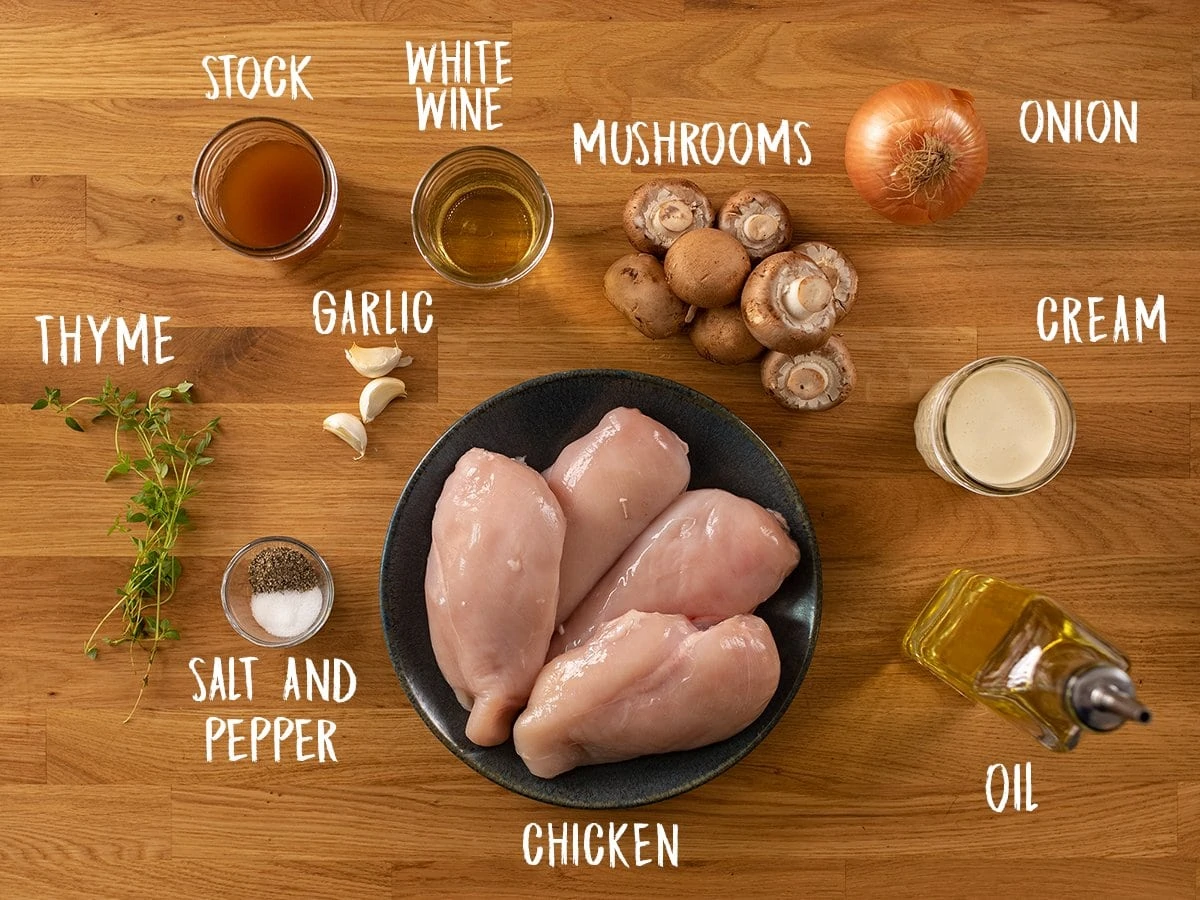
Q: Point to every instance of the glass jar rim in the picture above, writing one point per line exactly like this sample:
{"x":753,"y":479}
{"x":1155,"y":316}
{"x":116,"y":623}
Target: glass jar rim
{"x":1055,"y":460}
{"x":322,"y":217}
{"x":541,"y":240}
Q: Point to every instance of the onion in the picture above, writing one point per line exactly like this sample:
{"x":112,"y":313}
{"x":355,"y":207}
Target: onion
{"x":916,"y":151}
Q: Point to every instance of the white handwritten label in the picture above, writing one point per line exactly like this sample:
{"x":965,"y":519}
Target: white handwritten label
{"x":692,"y":144}
{"x":246,"y":76}
{"x":1076,"y":321}
{"x":594,"y":844}
{"x":362,"y":313}
{"x":281,"y":737}
{"x":127,"y":340}
{"x":1006,"y":787}
{"x":339,"y":688}
{"x":1074,"y":121}
{"x":471,"y":74}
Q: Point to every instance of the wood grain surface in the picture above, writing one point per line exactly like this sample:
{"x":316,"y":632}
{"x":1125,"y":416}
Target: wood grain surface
{"x":873,"y":783}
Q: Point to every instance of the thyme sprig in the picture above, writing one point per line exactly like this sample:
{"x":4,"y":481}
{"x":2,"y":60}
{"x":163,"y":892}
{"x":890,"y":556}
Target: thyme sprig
{"x":165,"y":458}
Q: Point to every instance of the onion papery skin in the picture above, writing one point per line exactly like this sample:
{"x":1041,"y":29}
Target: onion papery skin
{"x":895,"y":121}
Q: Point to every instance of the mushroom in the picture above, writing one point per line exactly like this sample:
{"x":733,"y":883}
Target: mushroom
{"x":637,"y":286}
{"x":707,"y":268}
{"x":663,"y":209}
{"x":759,"y":220}
{"x":720,"y":335}
{"x":841,"y":274}
{"x":819,"y":379}
{"x":788,"y":303}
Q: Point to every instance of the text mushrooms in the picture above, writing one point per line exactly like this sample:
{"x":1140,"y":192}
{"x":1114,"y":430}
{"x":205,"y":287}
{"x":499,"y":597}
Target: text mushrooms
{"x":759,"y":220}
{"x":841,"y":274}
{"x":819,"y":379}
{"x":637,"y":286}
{"x":707,"y":268}
{"x":662,"y":210}
{"x":721,"y":336}
{"x":788,"y":303}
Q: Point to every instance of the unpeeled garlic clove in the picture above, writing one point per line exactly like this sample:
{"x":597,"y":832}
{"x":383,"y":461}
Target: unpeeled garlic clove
{"x":372,"y":362}
{"x":378,"y":394}
{"x":349,"y":429}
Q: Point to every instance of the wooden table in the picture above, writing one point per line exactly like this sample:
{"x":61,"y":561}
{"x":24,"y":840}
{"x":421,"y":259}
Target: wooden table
{"x":873,"y":783}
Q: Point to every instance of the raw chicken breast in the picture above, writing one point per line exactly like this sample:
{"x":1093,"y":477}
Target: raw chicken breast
{"x":709,"y":555}
{"x":491,"y":586}
{"x":647,"y":683}
{"x":611,"y":483}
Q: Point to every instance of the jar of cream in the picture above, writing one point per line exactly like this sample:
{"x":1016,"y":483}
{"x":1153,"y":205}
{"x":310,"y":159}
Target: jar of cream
{"x":1000,"y":426}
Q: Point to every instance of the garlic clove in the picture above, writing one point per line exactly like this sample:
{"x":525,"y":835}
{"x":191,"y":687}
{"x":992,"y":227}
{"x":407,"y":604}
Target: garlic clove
{"x":372,"y":362}
{"x":349,"y":429}
{"x":377,"y":394}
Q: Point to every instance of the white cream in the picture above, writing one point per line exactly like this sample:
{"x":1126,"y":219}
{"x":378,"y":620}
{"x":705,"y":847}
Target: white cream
{"x":1000,"y":425}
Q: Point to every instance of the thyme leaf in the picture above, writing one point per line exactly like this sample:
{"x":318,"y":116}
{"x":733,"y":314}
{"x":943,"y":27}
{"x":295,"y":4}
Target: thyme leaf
{"x":150,"y":446}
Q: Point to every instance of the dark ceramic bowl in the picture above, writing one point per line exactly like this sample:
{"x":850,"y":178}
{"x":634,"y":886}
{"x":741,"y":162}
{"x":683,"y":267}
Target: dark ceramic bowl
{"x":536,"y":420}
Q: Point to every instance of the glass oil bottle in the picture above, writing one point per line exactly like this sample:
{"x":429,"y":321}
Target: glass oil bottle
{"x":1017,"y":652}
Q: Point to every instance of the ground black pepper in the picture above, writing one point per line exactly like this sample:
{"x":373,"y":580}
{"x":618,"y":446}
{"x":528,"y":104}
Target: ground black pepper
{"x":281,"y":569}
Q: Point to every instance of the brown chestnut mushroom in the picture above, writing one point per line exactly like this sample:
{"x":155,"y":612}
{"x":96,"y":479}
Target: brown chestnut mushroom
{"x":819,"y":379}
{"x":663,"y":209}
{"x":841,"y":274}
{"x":637,"y":286}
{"x":707,"y":268}
{"x":720,"y":335}
{"x":759,"y":220}
{"x":788,"y":303}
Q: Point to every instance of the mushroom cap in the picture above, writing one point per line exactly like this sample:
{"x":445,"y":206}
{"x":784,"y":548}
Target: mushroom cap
{"x":819,"y":379}
{"x":758,"y":219}
{"x":843,"y":277}
{"x":787,"y":303}
{"x":663,"y":209}
{"x":721,"y":336}
{"x":637,"y":286}
{"x":707,"y":268}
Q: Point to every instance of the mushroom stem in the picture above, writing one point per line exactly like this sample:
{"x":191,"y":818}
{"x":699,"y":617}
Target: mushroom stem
{"x":759,"y":227}
{"x":807,"y":295}
{"x":674,"y":215}
{"x":808,"y":379}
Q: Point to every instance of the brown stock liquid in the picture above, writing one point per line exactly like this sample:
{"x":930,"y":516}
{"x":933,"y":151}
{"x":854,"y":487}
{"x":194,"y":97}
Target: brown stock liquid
{"x":270,"y":193}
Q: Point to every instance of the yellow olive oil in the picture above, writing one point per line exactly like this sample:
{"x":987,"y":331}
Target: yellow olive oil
{"x":1017,"y":652}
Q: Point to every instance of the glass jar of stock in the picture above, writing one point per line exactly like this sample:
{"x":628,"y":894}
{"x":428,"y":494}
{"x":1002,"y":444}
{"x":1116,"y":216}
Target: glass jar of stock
{"x":267,"y":189}
{"x":1000,"y":426}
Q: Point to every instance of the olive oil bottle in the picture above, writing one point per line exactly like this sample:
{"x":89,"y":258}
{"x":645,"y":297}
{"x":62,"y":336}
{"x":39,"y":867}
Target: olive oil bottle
{"x":1019,"y":653}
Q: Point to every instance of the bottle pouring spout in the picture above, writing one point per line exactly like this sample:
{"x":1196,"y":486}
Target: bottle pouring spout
{"x":1120,"y":703}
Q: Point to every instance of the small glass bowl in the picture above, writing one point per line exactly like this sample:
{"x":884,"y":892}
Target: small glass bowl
{"x":456,"y":175}
{"x":236,"y":594}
